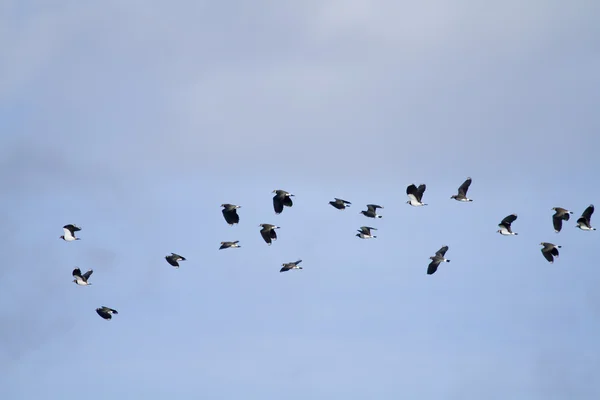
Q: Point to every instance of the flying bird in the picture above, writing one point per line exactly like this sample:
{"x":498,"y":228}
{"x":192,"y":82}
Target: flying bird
{"x":365,"y":232}
{"x":583,"y":222}
{"x":281,"y":198}
{"x":82,"y":280}
{"x":174,"y":259}
{"x":462,"y":191}
{"x":70,"y":230}
{"x":106,"y":312}
{"x":436,"y":260}
{"x":289,"y":266}
{"x":559,"y":216}
{"x":550,"y":251}
{"x":504,"y":225}
{"x":226,"y":245}
{"x":415,"y":194}
{"x":371,"y":211}
{"x":268,"y":232}
{"x":339,"y":203}
{"x":230,"y":213}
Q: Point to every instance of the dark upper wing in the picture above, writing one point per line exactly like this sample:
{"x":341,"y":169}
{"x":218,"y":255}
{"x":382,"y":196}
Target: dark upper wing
{"x":103,"y":313}
{"x":441,"y":252}
{"x":372,"y":207}
{"x":554,"y":251}
{"x":421,"y":190}
{"x":557,"y":222}
{"x":462,"y":189}
{"x":547,"y":255}
{"x":87,"y":274}
{"x":287,"y":201}
{"x":277,"y":204}
{"x":342,"y":200}
{"x":231,"y":216}
{"x":433,"y":266}
{"x":266,"y":235}
{"x":273,"y":234}
{"x":172,"y":260}
{"x":297,"y":262}
{"x":412,"y":189}
{"x":587,"y":214}
{"x":508,"y":220}
{"x":286,"y":267}
{"x":72,"y":228}
{"x":77,"y":272}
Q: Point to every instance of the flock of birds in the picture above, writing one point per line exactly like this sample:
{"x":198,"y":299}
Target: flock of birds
{"x":284,"y":199}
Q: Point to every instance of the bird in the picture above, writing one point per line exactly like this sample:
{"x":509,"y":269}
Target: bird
{"x":583,"y":222}
{"x":462,"y":191}
{"x":226,"y":245}
{"x":82,"y":280}
{"x":365,"y":232}
{"x":268,"y":232}
{"x":415,"y":194}
{"x":505,"y":225}
{"x":550,"y":251}
{"x":339,"y":203}
{"x":559,"y":216}
{"x":70,"y":230}
{"x":291,"y":265}
{"x":371,"y":211}
{"x":174,"y":258}
{"x":230,"y":213}
{"x":281,"y":198}
{"x":436,"y":260}
{"x":106,"y":312}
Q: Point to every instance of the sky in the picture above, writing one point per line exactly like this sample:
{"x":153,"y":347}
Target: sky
{"x":135,"y":121}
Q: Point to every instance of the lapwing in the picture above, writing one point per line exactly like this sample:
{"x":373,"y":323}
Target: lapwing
{"x":559,"y":216}
{"x":106,"y":312}
{"x":230,"y":213}
{"x":70,"y":230}
{"x":340,"y":204}
{"x":289,"y":266}
{"x":268,"y":232}
{"x":462,"y":191}
{"x":415,"y":195}
{"x":281,"y":198}
{"x":550,"y":251}
{"x":504,"y":225}
{"x":371,"y":211}
{"x":436,"y":260}
{"x":174,"y":259}
{"x":82,"y":280}
{"x":226,"y":245}
{"x":365,"y":232}
{"x":583,"y":222}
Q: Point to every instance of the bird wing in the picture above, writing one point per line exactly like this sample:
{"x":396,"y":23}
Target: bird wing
{"x":72,"y":228}
{"x":277,"y":204}
{"x":412,"y":190}
{"x":373,"y":207}
{"x":441,"y":252}
{"x":87,"y":275}
{"x":557,"y":222}
{"x":101,"y":312}
{"x":508,"y":220}
{"x":266,"y":235}
{"x":547,"y":254}
{"x":77,"y":272}
{"x":231,"y":216}
{"x":421,"y":190}
{"x":462,"y":189}
{"x":433,"y":266}
{"x":171,"y":260}
{"x":587,"y":214}
{"x":68,"y":233}
{"x":342,"y":200}
{"x":286,"y":267}
{"x":287,"y":201}
{"x":297,"y":262}
{"x":554,"y":251}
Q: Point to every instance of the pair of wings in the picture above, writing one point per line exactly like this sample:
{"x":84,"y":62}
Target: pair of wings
{"x":433,"y":265}
{"x":85,"y":277}
{"x":281,"y":200}
{"x":366,"y":230}
{"x":288,"y":266}
{"x":416,"y":192}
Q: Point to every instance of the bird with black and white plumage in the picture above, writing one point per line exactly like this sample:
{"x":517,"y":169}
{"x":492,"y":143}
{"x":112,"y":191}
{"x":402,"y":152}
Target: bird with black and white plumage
{"x":227,"y":245}
{"x":281,"y":199}
{"x":549,"y":251}
{"x":415,"y":195}
{"x":70,"y":230}
{"x":230,"y":213}
{"x":290,"y":266}
{"x":560,"y":215}
{"x":82,"y":280}
{"x":505,"y":225}
{"x":462,"y":191}
{"x":339,"y":203}
{"x":365,"y":232}
{"x":268,"y":232}
{"x":436,"y":260}
{"x":106,"y":312}
{"x":584,"y":222}
{"x":371,"y":211}
{"x":174,"y":259}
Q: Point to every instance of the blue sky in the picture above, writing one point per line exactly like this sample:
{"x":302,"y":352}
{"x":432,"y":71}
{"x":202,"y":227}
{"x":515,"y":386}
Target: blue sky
{"x":137,"y":121}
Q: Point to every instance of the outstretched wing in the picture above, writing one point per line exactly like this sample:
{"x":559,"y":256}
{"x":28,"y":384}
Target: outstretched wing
{"x":77,"y":272}
{"x":441,"y":252}
{"x":547,"y":255}
{"x":464,"y":188}
{"x":287,"y":201}
{"x":342,"y":200}
{"x":587,"y":214}
{"x":231,"y":216}
{"x":412,"y":190}
{"x":557,"y":222}
{"x":508,"y":220}
{"x":266,"y":235}
{"x":373,"y":207}
{"x":433,"y":266}
{"x":72,"y":228}
{"x":420,"y":191}
{"x":87,"y":275}
{"x":277,"y":204}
